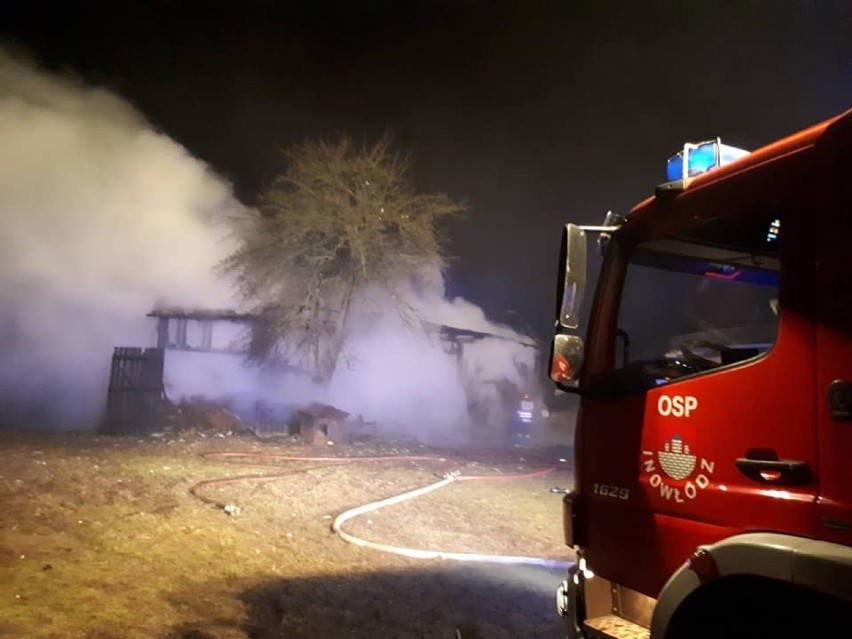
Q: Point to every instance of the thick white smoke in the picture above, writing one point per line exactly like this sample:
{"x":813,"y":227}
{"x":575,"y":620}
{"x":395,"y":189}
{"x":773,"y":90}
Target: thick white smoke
{"x":103,"y":217}
{"x":413,"y":383}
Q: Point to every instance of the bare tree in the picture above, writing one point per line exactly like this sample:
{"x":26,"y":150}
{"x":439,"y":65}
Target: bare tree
{"x":339,"y":220}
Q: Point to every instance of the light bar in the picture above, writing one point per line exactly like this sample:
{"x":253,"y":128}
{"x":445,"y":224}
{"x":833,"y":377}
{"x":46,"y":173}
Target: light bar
{"x":699,"y":158}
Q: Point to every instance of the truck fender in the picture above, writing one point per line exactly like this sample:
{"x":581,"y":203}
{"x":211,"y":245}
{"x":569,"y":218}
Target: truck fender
{"x":819,"y":565}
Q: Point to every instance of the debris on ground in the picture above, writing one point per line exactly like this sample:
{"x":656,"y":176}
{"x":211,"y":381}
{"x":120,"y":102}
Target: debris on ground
{"x":201,"y":417}
{"x":210,"y":417}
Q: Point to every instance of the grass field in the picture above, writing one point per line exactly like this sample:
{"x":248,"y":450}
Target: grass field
{"x":101,"y":538}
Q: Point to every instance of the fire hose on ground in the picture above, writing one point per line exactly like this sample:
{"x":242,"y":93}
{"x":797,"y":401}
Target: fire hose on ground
{"x":337,"y":524}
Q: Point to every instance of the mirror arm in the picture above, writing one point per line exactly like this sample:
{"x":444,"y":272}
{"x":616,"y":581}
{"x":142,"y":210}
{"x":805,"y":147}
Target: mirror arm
{"x":625,"y":353}
{"x":600,"y":229}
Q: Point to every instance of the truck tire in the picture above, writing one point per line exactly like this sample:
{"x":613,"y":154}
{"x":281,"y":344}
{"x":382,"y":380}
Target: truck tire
{"x":746,"y":607}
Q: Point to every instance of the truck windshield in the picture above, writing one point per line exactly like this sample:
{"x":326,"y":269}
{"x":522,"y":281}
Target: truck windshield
{"x":699,"y":300}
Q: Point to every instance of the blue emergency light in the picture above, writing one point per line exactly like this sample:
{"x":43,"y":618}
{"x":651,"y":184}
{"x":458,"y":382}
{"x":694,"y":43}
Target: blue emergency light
{"x":696,"y":159}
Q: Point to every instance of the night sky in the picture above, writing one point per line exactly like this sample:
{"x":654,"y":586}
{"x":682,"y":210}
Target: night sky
{"x":534,"y":113}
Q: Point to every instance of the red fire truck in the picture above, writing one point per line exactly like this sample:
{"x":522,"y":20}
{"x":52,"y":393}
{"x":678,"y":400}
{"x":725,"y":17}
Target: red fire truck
{"x":713,"y":490}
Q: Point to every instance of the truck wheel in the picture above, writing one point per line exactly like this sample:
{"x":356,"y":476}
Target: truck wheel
{"x":745,"y":607}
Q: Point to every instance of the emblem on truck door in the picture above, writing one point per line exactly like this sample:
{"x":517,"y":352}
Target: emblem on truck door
{"x":675,"y":459}
{"x":675,"y":472}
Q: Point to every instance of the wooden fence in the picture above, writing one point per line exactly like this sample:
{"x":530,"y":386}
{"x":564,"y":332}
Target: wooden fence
{"x":136,"y":399}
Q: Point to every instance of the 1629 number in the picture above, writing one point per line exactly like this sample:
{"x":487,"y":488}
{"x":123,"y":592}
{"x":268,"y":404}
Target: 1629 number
{"x":608,"y":490}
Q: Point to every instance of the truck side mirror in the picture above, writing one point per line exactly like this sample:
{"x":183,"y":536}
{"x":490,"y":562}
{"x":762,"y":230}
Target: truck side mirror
{"x":566,"y":357}
{"x":572,"y":275}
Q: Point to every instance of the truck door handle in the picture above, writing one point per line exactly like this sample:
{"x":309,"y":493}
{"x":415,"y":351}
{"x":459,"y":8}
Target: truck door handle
{"x":840,"y":400}
{"x":775,"y":471}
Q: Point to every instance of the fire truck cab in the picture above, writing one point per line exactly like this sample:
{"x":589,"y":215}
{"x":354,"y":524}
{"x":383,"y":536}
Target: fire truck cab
{"x":713,"y":448}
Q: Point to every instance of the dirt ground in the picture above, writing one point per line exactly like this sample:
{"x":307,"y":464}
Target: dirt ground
{"x":108,"y":537}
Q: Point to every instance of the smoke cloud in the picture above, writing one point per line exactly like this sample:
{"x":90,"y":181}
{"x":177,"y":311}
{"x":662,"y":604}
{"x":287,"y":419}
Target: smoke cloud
{"x":105,"y":219}
{"x":416,"y":384}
